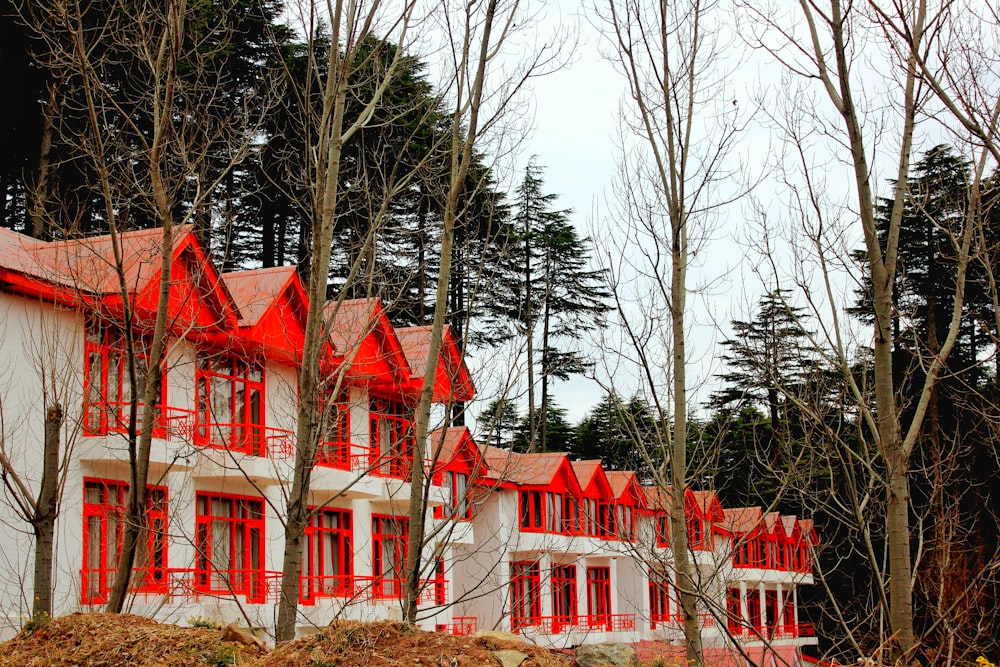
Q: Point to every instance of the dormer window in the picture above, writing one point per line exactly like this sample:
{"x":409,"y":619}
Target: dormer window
{"x":231,"y":404}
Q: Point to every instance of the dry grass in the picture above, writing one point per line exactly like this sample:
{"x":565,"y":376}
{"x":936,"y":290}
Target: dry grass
{"x":388,"y":644}
{"x":107,"y":640}
{"x":123,"y":640}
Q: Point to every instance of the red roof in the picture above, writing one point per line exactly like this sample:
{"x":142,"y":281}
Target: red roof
{"x":452,"y":380}
{"x":528,"y":469}
{"x":256,"y":290}
{"x":742,"y":520}
{"x":361,"y":335}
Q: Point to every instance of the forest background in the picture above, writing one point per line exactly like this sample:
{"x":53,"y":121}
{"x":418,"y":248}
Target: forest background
{"x":789,"y":418}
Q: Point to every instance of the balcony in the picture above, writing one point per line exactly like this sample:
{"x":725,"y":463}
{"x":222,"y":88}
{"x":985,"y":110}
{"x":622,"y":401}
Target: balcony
{"x":342,"y":455}
{"x":104,"y":417}
{"x":371,"y":590}
{"x":677,"y":621}
{"x":554,"y":625}
{"x":460,"y":626}
{"x":750,"y":633}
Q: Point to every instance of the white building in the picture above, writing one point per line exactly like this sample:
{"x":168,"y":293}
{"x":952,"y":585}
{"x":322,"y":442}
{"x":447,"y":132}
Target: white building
{"x":560,"y":551}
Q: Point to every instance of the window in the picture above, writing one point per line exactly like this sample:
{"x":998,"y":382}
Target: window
{"x":696,"y":533}
{"x":606,"y":521}
{"x":107,"y":391}
{"x":590,"y":517}
{"x":531,"y":510}
{"x":103,"y":513}
{"x":662,"y":528}
{"x":525,"y":594}
{"x":599,"y":596}
{"x":564,"y":595}
{"x":457,"y":504}
{"x":734,"y":612}
{"x":389,"y":541}
{"x":571,"y":515}
{"x":753,"y":610}
{"x":328,"y":560}
{"x":440,"y":583}
{"x":230,"y":544}
{"x":391,"y":438}
{"x":335,"y":440}
{"x":231,"y":405}
{"x":553,"y":512}
{"x":659,"y":597}
{"x":623,"y":521}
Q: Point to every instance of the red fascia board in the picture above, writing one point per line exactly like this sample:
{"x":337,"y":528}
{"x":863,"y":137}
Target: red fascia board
{"x":19,"y":283}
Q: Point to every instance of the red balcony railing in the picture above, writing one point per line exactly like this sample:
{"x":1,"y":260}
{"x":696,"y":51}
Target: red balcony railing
{"x":761,"y":632}
{"x":105,"y":417}
{"x":460,"y":626}
{"x":554,"y":625}
{"x":343,"y":455}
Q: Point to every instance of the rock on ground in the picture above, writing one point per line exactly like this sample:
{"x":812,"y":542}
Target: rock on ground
{"x":618,"y":655}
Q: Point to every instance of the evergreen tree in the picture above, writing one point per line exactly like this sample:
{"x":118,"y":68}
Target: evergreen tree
{"x":547,"y":293}
{"x":501,"y":418}
{"x":609,"y":432}
{"x":562,"y":435}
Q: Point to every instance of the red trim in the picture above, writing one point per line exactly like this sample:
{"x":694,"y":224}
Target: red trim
{"x":328,"y":567}
{"x":103,"y":512}
{"x":525,"y":594}
{"x":599,"y":595}
{"x":236,"y":524}
{"x":230,"y":397}
{"x":390,"y":538}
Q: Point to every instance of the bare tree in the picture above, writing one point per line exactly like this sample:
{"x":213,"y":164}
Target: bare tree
{"x":135,"y":142}
{"x":482,"y":94}
{"x":827,"y":52}
{"x":669,"y":182}
{"x":357,"y":40}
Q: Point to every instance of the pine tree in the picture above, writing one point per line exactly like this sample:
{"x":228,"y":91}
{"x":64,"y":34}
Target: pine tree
{"x":548,"y":293}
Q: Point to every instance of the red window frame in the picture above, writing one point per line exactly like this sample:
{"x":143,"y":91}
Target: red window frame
{"x":230,"y":397}
{"x":599,"y":595}
{"x":106,"y":395}
{"x":531,"y":510}
{"x":661,"y":591}
{"x":390,"y":543}
{"x":459,"y":499}
{"x":734,"y":612}
{"x":335,"y":442}
{"x":392,"y":438}
{"x":103,"y":513}
{"x":661,"y":526}
{"x":328,"y":564}
{"x":564,"y":597}
{"x":230,"y":545}
{"x":571,"y":523}
{"x":624,"y":522}
{"x":440,"y":583}
{"x":525,"y":594}
{"x":699,"y":532}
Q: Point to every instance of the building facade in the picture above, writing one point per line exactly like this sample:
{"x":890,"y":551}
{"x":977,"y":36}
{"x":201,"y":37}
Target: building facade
{"x":562,"y":552}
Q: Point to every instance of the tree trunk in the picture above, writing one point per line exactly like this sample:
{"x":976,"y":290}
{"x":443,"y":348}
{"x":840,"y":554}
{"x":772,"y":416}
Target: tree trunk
{"x":46,"y":512}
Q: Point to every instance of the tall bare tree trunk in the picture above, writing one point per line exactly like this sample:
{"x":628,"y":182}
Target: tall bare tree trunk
{"x":46,"y":512}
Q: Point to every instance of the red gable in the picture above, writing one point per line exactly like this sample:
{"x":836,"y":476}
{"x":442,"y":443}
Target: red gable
{"x":551,"y":471}
{"x":272,"y":305}
{"x":363,"y":340}
{"x":82,"y":271}
{"x":625,"y":488}
{"x":593,"y":481}
{"x":451,"y":380}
